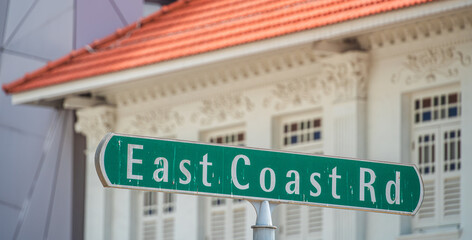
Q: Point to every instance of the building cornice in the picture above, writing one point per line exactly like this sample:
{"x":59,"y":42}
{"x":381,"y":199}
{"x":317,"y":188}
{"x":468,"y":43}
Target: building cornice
{"x":337,"y":78}
{"x":452,"y":24}
{"x":251,"y":71}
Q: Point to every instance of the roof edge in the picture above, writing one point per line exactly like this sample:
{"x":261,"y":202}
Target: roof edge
{"x":343,"y":29}
{"x":9,"y":87}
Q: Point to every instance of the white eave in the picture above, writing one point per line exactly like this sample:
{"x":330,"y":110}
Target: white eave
{"x":344,"y":29}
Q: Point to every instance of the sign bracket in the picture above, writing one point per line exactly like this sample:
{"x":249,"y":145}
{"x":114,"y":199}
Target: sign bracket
{"x":263,"y":230}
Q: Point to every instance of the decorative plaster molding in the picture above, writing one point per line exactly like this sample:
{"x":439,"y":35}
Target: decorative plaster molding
{"x":430,"y":64}
{"x":345,"y":78}
{"x":154,"y":123}
{"x":348,"y":78}
{"x":308,"y":89}
{"x":418,"y":31}
{"x":216,"y":76}
{"x":94,"y":123}
{"x":222,"y":108}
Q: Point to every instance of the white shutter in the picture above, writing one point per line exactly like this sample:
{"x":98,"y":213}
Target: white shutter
{"x":149,"y":230}
{"x":217,"y":225}
{"x":452,"y":196}
{"x":428,"y":208}
{"x":226,"y":217}
{"x":425,"y":155}
{"x":292,"y":221}
{"x":301,"y":222}
{"x":437,"y":153}
{"x":168,"y":230}
{"x":148,"y":211}
{"x":315,"y":221}
{"x":239,"y":224}
{"x":157,"y":216}
{"x":300,"y":132}
{"x":451,"y":164}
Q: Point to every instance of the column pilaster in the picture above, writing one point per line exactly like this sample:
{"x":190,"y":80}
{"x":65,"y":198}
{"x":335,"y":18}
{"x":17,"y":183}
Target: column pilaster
{"x":94,"y":123}
{"x":348,"y":123}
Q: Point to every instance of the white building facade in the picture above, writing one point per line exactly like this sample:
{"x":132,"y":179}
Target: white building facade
{"x":393,"y":87}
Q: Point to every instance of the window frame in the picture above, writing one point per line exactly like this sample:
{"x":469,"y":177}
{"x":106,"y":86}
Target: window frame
{"x":435,"y":191}
{"x":314,"y":147}
{"x":162,"y":221}
{"x":226,"y":208}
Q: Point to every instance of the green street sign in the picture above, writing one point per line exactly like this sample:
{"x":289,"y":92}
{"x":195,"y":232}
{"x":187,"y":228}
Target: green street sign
{"x":153,"y":164}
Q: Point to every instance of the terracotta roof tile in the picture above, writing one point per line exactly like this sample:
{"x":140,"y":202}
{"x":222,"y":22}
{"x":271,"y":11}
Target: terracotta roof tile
{"x":186,"y":28}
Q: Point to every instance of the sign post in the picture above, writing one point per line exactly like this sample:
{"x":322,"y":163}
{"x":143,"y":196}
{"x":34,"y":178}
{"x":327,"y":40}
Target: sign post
{"x":263,"y":230}
{"x":257,"y":175}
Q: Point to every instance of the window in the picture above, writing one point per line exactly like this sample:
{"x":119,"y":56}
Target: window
{"x":300,"y":132}
{"x":230,"y":138}
{"x":156,"y":215}
{"x":436,"y":151}
{"x":227,"y":218}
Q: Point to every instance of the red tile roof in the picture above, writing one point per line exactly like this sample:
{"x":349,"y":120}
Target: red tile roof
{"x":187,"y":28}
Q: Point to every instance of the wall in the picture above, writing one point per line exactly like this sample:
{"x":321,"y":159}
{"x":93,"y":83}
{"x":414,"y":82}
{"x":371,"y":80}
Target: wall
{"x":437,"y":60}
{"x":33,"y":32}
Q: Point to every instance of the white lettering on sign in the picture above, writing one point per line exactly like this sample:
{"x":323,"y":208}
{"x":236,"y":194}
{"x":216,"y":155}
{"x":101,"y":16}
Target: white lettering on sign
{"x":363,"y":184}
{"x":295,"y":182}
{"x":131,"y":161}
{"x":272,"y":180}
{"x":161,"y":174}
{"x":205,"y":165}
{"x":396,"y":185}
{"x":164,"y":170}
{"x":315,"y":184}
{"x":234,"y":165}
{"x":185,"y":172}
{"x":333,"y":177}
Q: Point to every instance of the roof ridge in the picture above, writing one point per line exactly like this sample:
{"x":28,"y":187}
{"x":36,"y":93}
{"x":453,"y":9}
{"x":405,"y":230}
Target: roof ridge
{"x":120,"y":32}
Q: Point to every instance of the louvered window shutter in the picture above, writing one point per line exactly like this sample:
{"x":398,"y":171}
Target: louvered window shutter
{"x":301,"y":132}
{"x":149,"y":215}
{"x":425,"y":155}
{"x":157,"y":217}
{"x":293,"y":221}
{"x":451,"y":165}
{"x":239,"y":224}
{"x":315,"y":221}
{"x":227,"y":217}
{"x":168,"y":230}
{"x":149,"y":230}
{"x":217,"y":225}
{"x":436,"y":150}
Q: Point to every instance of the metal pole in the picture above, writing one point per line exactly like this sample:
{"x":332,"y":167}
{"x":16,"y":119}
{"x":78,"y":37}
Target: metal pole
{"x":263,"y":230}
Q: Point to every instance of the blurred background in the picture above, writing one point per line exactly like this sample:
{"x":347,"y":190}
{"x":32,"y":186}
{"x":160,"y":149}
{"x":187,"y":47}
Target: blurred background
{"x":39,"y":193}
{"x":379,"y":80}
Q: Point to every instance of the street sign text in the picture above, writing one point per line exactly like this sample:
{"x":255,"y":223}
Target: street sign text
{"x":254,"y":174}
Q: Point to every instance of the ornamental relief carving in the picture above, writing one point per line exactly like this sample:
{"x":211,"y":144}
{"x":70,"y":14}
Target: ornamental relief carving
{"x":429,"y":65}
{"x":222,"y":108}
{"x":94,"y":123}
{"x":296,"y":92}
{"x":345,"y":81}
{"x":154,"y":123}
